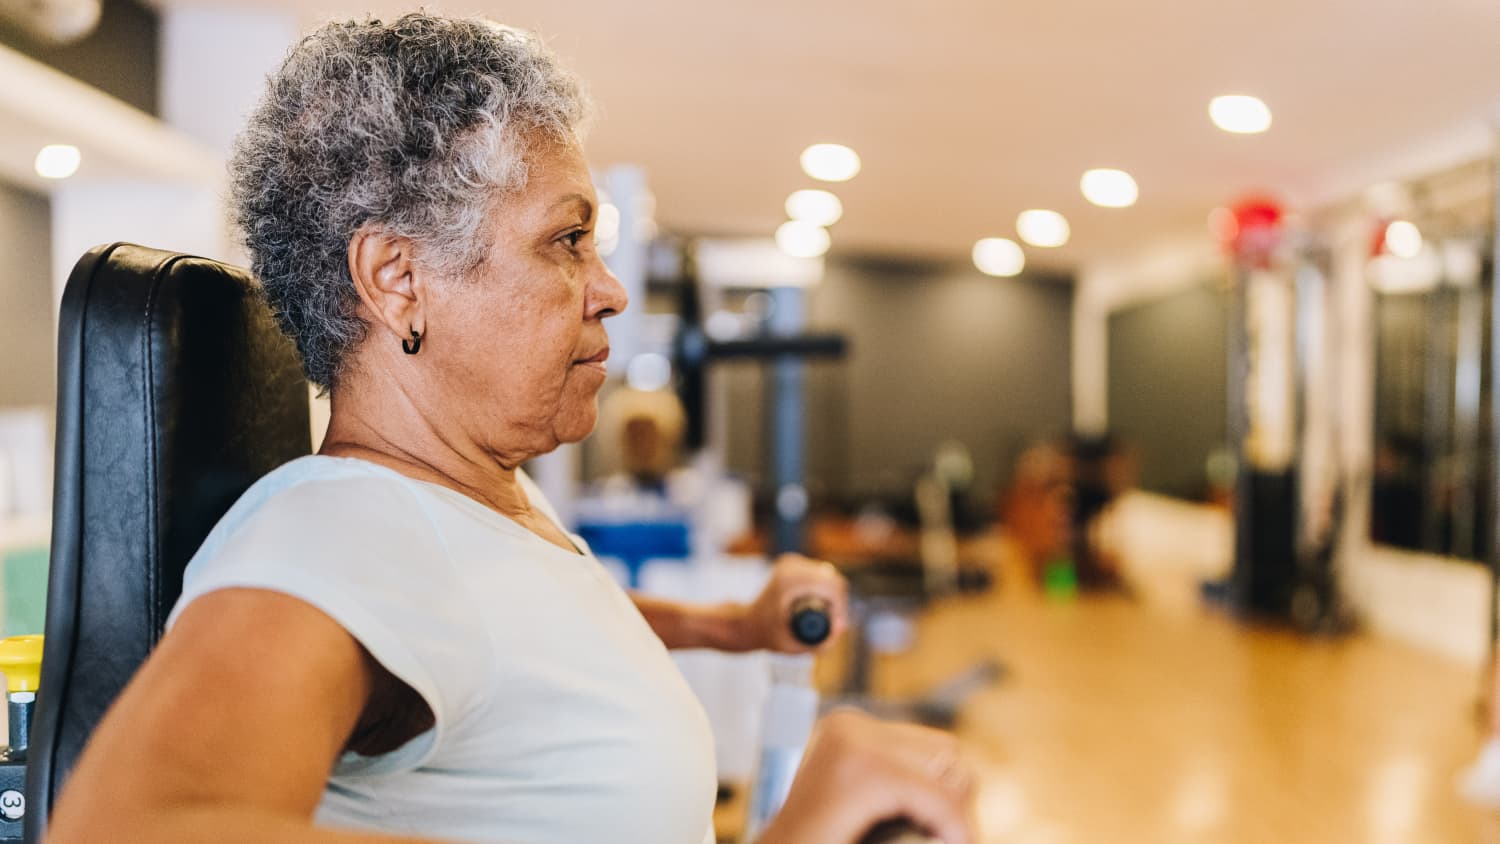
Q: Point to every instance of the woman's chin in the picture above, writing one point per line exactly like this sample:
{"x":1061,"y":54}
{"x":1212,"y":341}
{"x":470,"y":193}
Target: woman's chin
{"x":576,"y":426}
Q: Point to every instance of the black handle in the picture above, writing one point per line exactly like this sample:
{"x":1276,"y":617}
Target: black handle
{"x":900,"y":831}
{"x":811,"y":621}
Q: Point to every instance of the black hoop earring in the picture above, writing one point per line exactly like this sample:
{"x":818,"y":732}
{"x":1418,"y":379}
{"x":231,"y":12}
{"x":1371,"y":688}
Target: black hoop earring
{"x":413,"y":345}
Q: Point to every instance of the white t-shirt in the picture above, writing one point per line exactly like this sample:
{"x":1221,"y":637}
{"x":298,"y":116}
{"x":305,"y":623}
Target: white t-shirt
{"x":560,"y":717}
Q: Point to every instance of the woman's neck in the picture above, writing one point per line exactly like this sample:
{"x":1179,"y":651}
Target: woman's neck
{"x":379,"y":422}
{"x":401,"y":438}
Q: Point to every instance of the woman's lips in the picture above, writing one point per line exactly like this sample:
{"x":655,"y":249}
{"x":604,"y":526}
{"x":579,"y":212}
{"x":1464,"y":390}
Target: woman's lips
{"x":596,"y":361}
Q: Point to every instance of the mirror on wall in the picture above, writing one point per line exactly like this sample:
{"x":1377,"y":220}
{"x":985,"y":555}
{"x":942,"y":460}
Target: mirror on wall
{"x":1432,"y":456}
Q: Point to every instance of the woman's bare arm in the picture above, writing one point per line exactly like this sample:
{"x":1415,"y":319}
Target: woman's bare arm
{"x":762,"y":624}
{"x":228,"y":732}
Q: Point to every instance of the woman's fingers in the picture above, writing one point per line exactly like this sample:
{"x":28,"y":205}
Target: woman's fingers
{"x":794,"y":578}
{"x":860,"y":772}
{"x":933,"y":806}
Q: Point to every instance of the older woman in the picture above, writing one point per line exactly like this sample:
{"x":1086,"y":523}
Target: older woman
{"x":395,"y":635}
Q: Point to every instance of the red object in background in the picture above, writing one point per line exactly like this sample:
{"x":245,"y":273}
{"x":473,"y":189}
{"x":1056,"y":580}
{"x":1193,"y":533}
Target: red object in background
{"x":1250,"y":230}
{"x":1377,"y":237}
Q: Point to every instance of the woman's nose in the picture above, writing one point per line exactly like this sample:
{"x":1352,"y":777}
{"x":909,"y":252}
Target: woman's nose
{"x":609,"y":296}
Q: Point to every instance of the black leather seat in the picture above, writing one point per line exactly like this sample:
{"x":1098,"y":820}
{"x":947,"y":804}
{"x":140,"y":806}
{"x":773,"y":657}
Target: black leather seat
{"x":175,"y":392}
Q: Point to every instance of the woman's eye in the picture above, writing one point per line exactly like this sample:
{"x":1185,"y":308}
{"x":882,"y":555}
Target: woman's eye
{"x":575,"y":237}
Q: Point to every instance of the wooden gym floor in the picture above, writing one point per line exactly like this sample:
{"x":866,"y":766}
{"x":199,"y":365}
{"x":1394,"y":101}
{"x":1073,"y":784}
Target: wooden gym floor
{"x":1153,"y":719}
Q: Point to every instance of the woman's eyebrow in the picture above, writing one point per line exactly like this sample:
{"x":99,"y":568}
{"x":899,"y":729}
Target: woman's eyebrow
{"x":579,"y":199}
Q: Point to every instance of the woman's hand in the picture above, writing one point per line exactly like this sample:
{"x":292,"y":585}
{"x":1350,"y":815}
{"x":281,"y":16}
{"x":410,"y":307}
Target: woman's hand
{"x":766,"y":622}
{"x":858,"y":772}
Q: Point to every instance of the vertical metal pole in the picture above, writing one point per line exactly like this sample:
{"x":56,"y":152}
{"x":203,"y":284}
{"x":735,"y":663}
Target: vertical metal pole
{"x":1493,"y":552}
{"x":788,"y":317}
{"x":1307,"y":357}
{"x":1436,"y":417}
{"x":1238,"y":366}
{"x":1467,"y":366}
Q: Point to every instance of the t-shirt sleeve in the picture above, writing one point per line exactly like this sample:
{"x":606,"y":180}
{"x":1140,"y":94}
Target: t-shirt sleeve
{"x":362,"y":551}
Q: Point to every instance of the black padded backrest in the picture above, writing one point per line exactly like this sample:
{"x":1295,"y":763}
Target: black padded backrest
{"x":175,"y":392}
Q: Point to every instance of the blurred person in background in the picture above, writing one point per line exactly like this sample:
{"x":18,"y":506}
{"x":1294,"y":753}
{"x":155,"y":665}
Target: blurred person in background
{"x":394,"y":639}
{"x":645,"y":427}
{"x":1036,"y":508}
{"x":1103,"y":468}
{"x":1054,"y":507}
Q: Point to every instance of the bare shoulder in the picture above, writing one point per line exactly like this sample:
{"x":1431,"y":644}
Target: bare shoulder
{"x":257,"y":654}
{"x":247,"y":701}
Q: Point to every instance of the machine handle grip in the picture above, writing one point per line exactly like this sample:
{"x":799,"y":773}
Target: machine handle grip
{"x":899,"y":831}
{"x":810,"y":620}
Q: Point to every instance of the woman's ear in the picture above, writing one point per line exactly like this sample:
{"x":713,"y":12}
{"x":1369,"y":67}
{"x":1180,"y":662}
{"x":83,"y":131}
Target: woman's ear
{"x":385,"y":275}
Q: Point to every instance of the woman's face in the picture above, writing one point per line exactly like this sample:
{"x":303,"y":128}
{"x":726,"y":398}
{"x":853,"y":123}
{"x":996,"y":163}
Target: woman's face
{"x":519,"y":345}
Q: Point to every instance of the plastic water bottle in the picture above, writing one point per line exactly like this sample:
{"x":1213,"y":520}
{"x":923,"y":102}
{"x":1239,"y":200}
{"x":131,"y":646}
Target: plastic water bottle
{"x":791,"y":711}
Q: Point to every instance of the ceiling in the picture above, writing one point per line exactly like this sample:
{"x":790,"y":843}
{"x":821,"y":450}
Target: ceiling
{"x":966,"y":113}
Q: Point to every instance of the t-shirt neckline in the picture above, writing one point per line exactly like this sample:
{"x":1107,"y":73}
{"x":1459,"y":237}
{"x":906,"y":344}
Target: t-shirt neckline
{"x":469,"y":501}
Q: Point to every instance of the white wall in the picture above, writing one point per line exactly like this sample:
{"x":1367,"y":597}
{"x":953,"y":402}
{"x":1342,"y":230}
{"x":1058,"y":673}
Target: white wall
{"x":214,"y":62}
{"x":182,"y":217}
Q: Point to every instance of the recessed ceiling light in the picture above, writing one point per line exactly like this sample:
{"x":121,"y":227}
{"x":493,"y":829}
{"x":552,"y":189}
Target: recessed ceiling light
{"x":1109,"y":188}
{"x":830,"y":162}
{"x":1403,"y":239}
{"x":58,"y":161}
{"x":802,"y":240}
{"x":818,"y":207}
{"x":1240,"y":114}
{"x":1040,"y":227}
{"x":999,"y":256}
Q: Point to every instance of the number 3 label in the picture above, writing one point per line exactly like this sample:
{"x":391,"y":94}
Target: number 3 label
{"x":12,"y":805}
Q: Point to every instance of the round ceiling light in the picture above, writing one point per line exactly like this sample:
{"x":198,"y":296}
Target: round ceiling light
{"x":1040,"y":227}
{"x":1109,"y":188}
{"x":1403,"y":239}
{"x":830,"y":162}
{"x":999,"y":256}
{"x":58,"y":161}
{"x":818,"y":207}
{"x":802,"y":240}
{"x":1239,"y":114}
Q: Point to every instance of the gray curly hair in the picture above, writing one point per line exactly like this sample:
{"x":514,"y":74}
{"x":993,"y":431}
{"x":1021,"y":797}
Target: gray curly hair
{"x":417,"y":126}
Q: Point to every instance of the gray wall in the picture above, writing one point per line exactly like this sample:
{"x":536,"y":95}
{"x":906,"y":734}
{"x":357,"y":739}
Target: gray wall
{"x":936,"y":353}
{"x":1168,"y":393}
{"x":27,"y":375}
